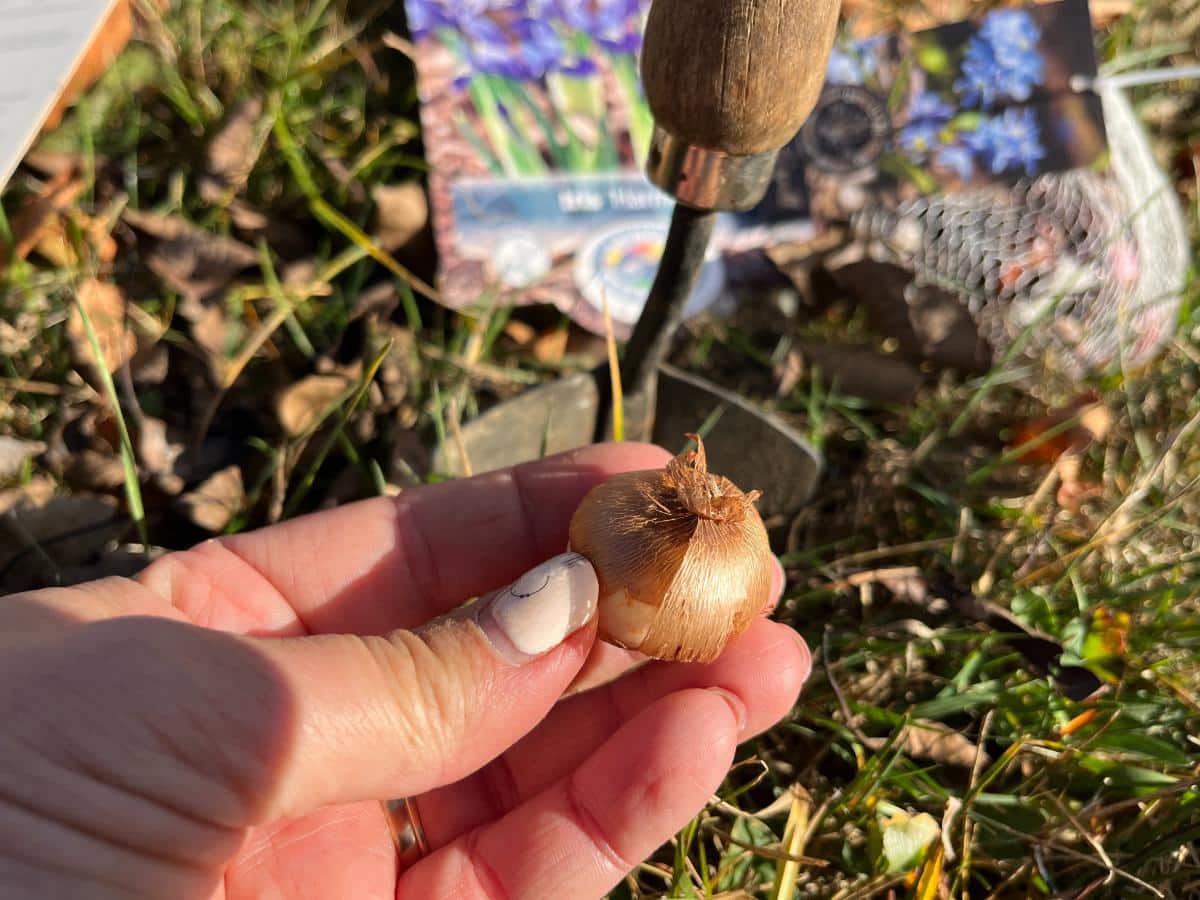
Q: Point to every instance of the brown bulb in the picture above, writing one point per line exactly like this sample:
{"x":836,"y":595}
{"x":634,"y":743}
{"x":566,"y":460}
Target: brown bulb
{"x":682,"y":557}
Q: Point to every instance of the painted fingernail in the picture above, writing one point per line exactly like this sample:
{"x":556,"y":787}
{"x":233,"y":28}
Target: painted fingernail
{"x":735,"y":704}
{"x":539,"y":610}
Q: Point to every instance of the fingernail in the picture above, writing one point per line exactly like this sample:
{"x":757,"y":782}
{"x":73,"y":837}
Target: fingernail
{"x":806,"y":656}
{"x":539,"y":610}
{"x":735,"y":704}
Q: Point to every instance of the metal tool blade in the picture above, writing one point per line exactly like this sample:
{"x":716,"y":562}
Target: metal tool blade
{"x":753,"y":448}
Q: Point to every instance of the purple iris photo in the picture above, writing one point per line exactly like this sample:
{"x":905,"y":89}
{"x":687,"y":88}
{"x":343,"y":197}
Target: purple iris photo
{"x":613,"y":24}
{"x":1002,"y":62}
{"x":426,"y":16}
{"x":525,"y":52}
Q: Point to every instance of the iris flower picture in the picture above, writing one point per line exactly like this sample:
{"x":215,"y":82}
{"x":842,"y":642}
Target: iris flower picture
{"x":537,"y":79}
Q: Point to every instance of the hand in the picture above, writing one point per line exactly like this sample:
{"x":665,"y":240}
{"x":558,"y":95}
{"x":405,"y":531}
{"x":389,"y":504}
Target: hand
{"x":225,"y":725}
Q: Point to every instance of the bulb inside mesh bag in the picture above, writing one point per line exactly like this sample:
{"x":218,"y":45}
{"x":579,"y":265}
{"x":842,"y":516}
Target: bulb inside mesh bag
{"x":1089,"y":266}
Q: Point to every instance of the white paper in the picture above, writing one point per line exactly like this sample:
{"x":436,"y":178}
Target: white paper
{"x":41,"y":42}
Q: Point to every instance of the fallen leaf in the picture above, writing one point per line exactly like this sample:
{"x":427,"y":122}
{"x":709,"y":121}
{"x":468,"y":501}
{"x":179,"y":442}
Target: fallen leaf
{"x":521,"y":333}
{"x":246,"y":217}
{"x":106,"y":309}
{"x":94,"y":470}
{"x":157,"y":454}
{"x":789,"y":372}
{"x":194,"y":262}
{"x":401,"y":211}
{"x":233,"y":152}
{"x":55,"y":245}
{"x":53,"y":163}
{"x":1052,"y":441}
{"x":14,"y":453}
{"x":301,"y":405}
{"x":400,"y":368}
{"x":929,"y":740}
{"x":551,"y":345}
{"x":211,"y":332}
{"x":214,"y":503}
{"x":68,"y":529}
{"x":39,"y":214}
{"x":903,"y":839}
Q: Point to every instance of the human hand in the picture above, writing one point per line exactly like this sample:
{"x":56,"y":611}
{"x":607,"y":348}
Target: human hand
{"x":225,"y":725}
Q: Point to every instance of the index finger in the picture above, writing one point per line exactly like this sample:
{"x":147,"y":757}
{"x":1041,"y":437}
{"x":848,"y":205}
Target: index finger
{"x":388,"y":563}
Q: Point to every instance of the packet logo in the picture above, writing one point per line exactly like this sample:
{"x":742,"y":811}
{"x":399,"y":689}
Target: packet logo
{"x":620,"y":264}
{"x":848,"y":129}
{"x":521,"y":260}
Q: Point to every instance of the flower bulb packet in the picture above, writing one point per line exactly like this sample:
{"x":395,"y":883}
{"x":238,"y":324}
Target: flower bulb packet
{"x":536,"y":128}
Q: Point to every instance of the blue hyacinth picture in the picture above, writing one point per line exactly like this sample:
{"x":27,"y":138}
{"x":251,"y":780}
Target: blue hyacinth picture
{"x":980,"y":101}
{"x":536,"y":86}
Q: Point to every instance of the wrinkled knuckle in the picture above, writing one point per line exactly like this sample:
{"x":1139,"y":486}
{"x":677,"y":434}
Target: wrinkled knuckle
{"x":426,"y":697}
{"x":589,"y":824}
{"x":420,"y":561}
{"x":486,"y":882}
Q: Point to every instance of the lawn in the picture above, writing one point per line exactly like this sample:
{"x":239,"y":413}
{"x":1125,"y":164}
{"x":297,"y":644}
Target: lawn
{"x":1002,"y":607}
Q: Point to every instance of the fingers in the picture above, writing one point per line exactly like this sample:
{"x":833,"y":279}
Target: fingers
{"x":765,"y":669}
{"x":608,"y":663}
{"x":383,"y":564}
{"x":581,"y":835}
{"x":397,"y":715}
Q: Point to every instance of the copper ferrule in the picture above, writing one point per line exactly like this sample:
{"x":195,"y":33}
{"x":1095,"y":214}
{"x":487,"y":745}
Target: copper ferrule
{"x":708,"y":179}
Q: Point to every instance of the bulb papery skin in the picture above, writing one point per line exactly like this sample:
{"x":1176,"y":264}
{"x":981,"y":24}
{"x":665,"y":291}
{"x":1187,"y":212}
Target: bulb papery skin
{"x":682,"y":558}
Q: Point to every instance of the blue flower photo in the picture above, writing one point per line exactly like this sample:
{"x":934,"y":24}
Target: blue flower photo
{"x":964,"y":118}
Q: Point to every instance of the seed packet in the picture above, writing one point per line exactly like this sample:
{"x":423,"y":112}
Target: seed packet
{"x":40,"y":45}
{"x":535,"y":129}
{"x":961,"y":106}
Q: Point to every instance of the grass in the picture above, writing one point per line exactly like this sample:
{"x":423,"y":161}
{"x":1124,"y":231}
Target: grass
{"x":938,"y":577}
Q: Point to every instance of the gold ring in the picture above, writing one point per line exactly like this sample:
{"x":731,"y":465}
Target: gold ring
{"x":408,"y":834}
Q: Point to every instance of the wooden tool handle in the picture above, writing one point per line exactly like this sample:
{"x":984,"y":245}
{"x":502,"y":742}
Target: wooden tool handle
{"x":737,"y":76}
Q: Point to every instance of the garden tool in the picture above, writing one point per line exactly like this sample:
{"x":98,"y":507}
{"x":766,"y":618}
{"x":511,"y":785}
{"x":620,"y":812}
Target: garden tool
{"x":729,"y":82}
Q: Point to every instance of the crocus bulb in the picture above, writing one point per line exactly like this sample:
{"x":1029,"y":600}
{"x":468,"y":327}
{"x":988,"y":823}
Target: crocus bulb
{"x":682,"y":557}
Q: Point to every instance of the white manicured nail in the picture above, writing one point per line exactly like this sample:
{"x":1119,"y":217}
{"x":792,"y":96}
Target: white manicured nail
{"x":539,"y":610}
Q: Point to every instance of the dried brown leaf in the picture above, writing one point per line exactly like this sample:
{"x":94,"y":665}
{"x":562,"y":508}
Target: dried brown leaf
{"x":216,"y":501}
{"x":521,"y":333}
{"x":106,"y":308}
{"x":14,"y":453}
{"x":157,"y":454}
{"x":233,"y":153}
{"x":400,"y":368}
{"x":38,"y":214}
{"x":194,"y":262}
{"x":210,"y":330}
{"x":69,"y":529}
{"x":551,"y":345}
{"x":302,"y":404}
{"x":929,"y":740}
{"x":55,"y":245}
{"x":94,"y":470}
{"x":401,"y":211}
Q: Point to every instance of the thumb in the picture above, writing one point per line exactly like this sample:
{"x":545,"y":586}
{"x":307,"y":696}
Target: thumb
{"x":395,"y":715}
